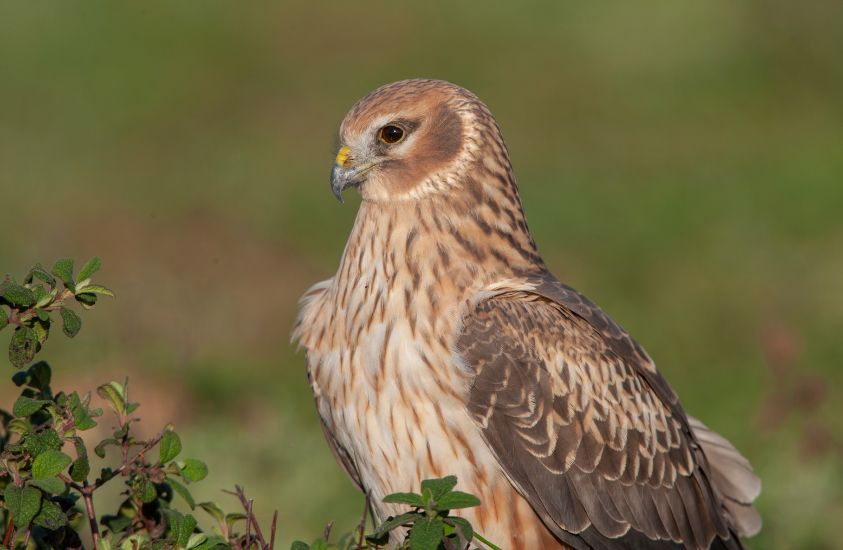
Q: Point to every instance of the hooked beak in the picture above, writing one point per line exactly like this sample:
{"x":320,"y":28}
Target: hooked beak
{"x":346,"y":172}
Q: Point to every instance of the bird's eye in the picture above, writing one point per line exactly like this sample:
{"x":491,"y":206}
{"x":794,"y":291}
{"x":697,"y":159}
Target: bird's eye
{"x":391,"y":134}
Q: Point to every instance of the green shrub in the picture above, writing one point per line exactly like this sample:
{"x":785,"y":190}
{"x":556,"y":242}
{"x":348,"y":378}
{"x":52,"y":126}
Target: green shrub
{"x":47,"y":494}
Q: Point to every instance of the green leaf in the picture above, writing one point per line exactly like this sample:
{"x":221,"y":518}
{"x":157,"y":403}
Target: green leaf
{"x":22,"y":347}
{"x":51,"y":485}
{"x":37,"y":443}
{"x":397,"y":521}
{"x":412,"y":499}
{"x":114,"y":393}
{"x":181,"y":527}
{"x":214,"y":511}
{"x":71,"y":322}
{"x":87,"y":299}
{"x":211,"y":542}
{"x":26,"y":406}
{"x":145,"y":490}
{"x":98,"y":289}
{"x":40,"y":376}
{"x":438,"y":487}
{"x":122,"y":432}
{"x":50,"y":463}
{"x":231,"y":519}
{"x":42,"y":330}
{"x":37,"y":376}
{"x":99,"y":450}
{"x":51,"y":516}
{"x":81,"y":414}
{"x":426,"y":534}
{"x":42,"y":315}
{"x":462,"y":527}
{"x":17,"y":295}
{"x":4,"y":318}
{"x":170,"y":447}
{"x":42,"y":298}
{"x":19,"y":426}
{"x":455,"y":500}
{"x":123,"y":520}
{"x":193,"y":469}
{"x":196,"y":540}
{"x":38,"y":272}
{"x":93,"y":265}
{"x":24,"y":503}
{"x":299,"y":545}
{"x":45,"y":299}
{"x":81,"y":467}
{"x":63,"y":269}
{"x":182,"y":491}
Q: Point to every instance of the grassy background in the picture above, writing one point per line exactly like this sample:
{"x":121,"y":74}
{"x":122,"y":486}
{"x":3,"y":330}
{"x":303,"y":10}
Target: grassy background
{"x":680,"y":164}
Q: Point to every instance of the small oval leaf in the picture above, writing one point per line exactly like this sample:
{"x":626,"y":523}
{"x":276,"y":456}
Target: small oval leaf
{"x":412,"y":499}
{"x":26,"y":406}
{"x":193,"y":469}
{"x":51,"y":485}
{"x":93,"y":265}
{"x":23,"y":502}
{"x":17,"y":295}
{"x":71,"y":323}
{"x":170,"y":447}
{"x":455,"y":500}
{"x":23,"y":346}
{"x":63,"y":269}
{"x":50,"y":463}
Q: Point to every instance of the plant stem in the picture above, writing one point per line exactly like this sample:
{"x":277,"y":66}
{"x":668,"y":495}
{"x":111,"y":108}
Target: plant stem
{"x":9,"y":530}
{"x":272,"y":530}
{"x":19,"y":318}
{"x":88,"y":495}
{"x":363,"y":523}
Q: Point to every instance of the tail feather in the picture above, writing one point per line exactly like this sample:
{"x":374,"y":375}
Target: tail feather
{"x":732,"y":477}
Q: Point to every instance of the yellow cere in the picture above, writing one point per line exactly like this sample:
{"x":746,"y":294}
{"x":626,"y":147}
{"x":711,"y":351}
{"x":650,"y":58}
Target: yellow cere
{"x":342,"y":155}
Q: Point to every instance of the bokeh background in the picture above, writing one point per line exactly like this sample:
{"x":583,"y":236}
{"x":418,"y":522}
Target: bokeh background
{"x":682,"y":164}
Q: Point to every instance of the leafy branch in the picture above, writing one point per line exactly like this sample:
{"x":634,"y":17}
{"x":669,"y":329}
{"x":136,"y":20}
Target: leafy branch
{"x":428,"y":525}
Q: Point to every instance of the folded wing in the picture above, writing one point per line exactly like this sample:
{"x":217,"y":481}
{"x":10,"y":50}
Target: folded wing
{"x":590,"y":433}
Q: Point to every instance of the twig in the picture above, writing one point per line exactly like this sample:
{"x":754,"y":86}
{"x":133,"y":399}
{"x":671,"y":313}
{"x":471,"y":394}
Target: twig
{"x":126,"y":463}
{"x":362,"y":525}
{"x":9,"y":530}
{"x":250,"y":517}
{"x":272,"y":529}
{"x":87,"y":494}
{"x":18,"y":318}
{"x":87,"y":490}
{"x":248,"y":523}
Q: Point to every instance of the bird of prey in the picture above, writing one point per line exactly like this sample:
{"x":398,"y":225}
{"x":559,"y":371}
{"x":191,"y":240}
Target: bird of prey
{"x":444,"y":345}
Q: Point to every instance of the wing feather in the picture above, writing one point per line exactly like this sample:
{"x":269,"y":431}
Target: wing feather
{"x":588,"y":430}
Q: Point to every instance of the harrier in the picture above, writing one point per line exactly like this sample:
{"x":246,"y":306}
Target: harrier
{"x":444,"y":345}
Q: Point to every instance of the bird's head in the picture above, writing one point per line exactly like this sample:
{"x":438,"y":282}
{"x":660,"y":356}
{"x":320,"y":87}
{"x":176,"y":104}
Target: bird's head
{"x":407,"y":140}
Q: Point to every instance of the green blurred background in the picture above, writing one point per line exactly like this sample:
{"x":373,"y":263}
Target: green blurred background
{"x":682,"y":164}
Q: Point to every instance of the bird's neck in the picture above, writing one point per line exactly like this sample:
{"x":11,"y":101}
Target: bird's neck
{"x":414,"y":263}
{"x":444,"y":247}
